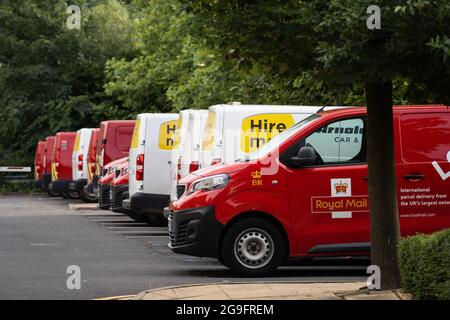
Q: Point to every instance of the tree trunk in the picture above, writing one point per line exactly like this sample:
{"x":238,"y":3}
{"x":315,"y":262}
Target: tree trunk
{"x":384,"y":219}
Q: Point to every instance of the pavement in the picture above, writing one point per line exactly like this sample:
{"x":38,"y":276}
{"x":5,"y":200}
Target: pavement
{"x":40,"y":237}
{"x":268,"y":291}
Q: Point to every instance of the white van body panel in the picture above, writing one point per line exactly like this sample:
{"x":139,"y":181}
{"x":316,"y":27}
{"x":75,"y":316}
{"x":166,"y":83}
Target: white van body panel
{"x":156,"y":160}
{"x":85,"y":138}
{"x":226,"y":144}
{"x":182,"y":149}
{"x":194,"y":137}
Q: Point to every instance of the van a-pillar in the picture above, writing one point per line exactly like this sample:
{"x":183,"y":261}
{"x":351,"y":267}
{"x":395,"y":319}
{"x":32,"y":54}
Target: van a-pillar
{"x":384,"y":219}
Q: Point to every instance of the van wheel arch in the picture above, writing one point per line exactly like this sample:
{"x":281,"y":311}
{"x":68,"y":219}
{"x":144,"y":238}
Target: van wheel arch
{"x":253,"y":214}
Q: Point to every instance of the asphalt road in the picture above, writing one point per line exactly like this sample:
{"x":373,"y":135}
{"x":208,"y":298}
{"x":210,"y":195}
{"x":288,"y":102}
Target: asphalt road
{"x":40,"y":237}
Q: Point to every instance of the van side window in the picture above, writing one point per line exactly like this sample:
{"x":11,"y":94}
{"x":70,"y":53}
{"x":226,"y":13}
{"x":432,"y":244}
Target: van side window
{"x":340,"y":142}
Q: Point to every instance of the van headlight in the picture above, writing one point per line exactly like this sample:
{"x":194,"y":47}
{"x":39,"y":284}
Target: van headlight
{"x":210,"y":183}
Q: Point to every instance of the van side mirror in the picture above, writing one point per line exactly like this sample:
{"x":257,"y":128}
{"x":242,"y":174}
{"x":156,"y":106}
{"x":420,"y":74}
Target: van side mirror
{"x":307,"y":156}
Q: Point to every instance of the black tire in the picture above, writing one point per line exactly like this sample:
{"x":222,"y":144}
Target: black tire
{"x":88,"y":198}
{"x":53,"y":194}
{"x":253,"y":247}
{"x":70,"y":195}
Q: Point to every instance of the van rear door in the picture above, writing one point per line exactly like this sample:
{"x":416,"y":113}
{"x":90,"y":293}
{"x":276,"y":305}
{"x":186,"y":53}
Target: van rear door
{"x":424,"y":172}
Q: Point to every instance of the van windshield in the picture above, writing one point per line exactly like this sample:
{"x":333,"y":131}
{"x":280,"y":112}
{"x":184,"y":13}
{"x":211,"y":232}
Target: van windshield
{"x":276,"y":141}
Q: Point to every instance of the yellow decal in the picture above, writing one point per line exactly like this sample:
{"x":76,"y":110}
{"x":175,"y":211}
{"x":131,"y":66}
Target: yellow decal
{"x":135,"y":139}
{"x":210,"y":128}
{"x":167,"y":135}
{"x":176,"y":142}
{"x":54,"y":172}
{"x":76,"y":146}
{"x":256,"y":178}
{"x":259,"y":129}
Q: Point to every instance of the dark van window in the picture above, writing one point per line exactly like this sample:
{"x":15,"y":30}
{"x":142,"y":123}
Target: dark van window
{"x":425,"y":137}
{"x":123,"y":138}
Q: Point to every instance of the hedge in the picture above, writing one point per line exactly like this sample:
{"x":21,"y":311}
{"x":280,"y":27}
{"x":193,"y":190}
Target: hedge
{"x":425,"y":265}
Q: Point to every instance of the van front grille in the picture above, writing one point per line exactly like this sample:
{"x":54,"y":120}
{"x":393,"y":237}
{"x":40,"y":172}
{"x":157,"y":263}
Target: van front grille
{"x":117,"y":195}
{"x":178,"y":236}
{"x":104,"y":197}
{"x":181,"y":189}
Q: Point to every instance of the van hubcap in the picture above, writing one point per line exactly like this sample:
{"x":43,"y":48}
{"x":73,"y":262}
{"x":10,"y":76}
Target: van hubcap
{"x":254,"y":248}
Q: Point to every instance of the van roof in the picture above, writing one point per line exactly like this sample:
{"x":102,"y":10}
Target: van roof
{"x":262,"y":107}
{"x":396,"y":109}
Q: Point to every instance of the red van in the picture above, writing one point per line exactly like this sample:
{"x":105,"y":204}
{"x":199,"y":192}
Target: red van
{"x":104,"y":188}
{"x":39,"y":164}
{"x":47,"y":175}
{"x":113,"y":142}
{"x":305,"y":194}
{"x":118,"y":187}
{"x":62,"y":164}
{"x":91,"y":162}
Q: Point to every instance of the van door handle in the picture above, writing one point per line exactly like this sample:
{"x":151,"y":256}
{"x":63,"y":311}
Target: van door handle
{"x":366,"y":178}
{"x":414,"y":177}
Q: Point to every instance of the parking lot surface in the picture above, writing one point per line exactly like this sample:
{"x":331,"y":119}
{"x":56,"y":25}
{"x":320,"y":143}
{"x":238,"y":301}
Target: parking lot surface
{"x":40,"y":237}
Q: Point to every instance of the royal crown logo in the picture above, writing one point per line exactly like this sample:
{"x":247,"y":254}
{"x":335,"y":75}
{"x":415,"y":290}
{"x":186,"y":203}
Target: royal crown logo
{"x":341,"y":187}
{"x":256,"y":174}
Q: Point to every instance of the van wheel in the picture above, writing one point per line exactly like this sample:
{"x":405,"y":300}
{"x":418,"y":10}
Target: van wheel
{"x":70,"y":195}
{"x":253,"y":247}
{"x":88,"y":197}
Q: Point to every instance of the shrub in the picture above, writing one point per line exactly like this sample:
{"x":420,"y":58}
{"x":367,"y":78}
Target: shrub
{"x":425,"y":265}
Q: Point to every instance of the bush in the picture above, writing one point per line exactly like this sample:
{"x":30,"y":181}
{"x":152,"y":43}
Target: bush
{"x":425,"y":265}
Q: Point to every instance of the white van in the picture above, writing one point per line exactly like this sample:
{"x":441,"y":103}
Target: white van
{"x":149,"y":173}
{"x":233,"y":130}
{"x":190,"y":157}
{"x":190,"y":127}
{"x":80,"y":164}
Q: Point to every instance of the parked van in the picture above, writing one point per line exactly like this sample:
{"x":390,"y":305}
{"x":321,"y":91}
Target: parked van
{"x":113,"y":142}
{"x":39,"y":164}
{"x":234,"y":130}
{"x":62,"y":164}
{"x":80,"y":165}
{"x":305,"y":194}
{"x":178,"y":147}
{"x":149,"y":173}
{"x":188,"y":135}
{"x":47,"y":176}
{"x":92,"y":179}
{"x":119,"y":188}
{"x":104,"y":182}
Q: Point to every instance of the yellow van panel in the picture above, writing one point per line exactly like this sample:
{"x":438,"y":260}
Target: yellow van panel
{"x":257,"y":130}
{"x":176,"y":142}
{"x":167,"y":133}
{"x":76,"y":146}
{"x":135,"y":139}
{"x":210,"y":129}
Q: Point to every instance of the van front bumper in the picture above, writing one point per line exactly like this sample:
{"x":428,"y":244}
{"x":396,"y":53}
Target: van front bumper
{"x":77,"y":185}
{"x":195,"y":232}
{"x":147,"y":203}
{"x":104,"y":196}
{"x":118,"y":194}
{"x":60,"y":186}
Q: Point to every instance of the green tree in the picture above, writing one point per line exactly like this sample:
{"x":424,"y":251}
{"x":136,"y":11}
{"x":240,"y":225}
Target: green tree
{"x":329,"y":42}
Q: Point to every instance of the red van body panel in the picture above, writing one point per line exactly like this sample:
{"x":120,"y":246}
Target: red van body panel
{"x":323,"y":210}
{"x":62,"y":155}
{"x":49,"y":146}
{"x":114,"y":141}
{"x":39,"y":164}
